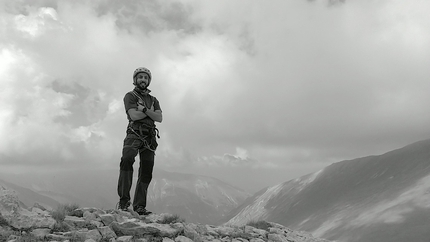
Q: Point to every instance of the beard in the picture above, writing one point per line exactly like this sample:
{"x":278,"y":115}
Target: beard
{"x":142,"y":85}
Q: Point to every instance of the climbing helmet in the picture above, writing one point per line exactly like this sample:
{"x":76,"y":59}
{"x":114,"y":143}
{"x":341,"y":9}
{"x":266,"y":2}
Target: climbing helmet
{"x":142,"y":70}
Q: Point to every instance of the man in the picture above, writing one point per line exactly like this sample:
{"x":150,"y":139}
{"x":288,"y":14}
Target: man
{"x":142,"y":110}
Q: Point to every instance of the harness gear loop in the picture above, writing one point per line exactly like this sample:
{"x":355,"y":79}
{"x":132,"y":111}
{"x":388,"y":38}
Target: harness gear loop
{"x":152,"y":132}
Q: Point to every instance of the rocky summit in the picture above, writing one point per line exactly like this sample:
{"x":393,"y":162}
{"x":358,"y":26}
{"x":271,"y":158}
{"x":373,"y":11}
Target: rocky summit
{"x":71,"y":223}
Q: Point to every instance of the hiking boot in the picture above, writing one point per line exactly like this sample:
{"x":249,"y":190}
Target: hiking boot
{"x":124,"y":206}
{"x":142,"y":211}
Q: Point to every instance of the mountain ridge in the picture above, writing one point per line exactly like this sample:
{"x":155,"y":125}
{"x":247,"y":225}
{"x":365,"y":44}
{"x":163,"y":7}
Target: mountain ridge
{"x":348,"y":196}
{"x":28,"y":197}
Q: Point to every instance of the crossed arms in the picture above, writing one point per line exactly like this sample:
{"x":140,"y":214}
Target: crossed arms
{"x":155,"y":115}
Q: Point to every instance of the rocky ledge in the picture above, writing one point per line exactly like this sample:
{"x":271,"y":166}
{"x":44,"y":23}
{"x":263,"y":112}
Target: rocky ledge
{"x":92,"y":224}
{"x":71,"y":223}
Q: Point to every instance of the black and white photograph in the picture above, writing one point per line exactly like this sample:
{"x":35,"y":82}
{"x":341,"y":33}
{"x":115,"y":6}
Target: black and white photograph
{"x":226,"y":120}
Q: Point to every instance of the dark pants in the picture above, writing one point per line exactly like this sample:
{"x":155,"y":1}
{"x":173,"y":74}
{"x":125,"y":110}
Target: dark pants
{"x":132,"y":147}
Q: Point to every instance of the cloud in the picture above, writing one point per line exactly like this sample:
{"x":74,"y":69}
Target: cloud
{"x":148,"y":17}
{"x":48,"y":116}
{"x":35,"y":24}
{"x":294,"y":84}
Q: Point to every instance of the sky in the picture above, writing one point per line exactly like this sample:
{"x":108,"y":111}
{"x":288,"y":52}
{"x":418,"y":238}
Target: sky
{"x":254,"y":93}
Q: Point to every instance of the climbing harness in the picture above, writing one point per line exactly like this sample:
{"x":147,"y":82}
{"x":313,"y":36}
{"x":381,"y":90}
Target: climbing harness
{"x":152,"y":132}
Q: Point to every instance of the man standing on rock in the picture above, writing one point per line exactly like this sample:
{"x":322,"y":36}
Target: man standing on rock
{"x":142,"y":110}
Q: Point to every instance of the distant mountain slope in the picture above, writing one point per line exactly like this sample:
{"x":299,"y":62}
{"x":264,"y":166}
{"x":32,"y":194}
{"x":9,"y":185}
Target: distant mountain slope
{"x":198,"y":199}
{"x":376,"y":198}
{"x":29,"y":197}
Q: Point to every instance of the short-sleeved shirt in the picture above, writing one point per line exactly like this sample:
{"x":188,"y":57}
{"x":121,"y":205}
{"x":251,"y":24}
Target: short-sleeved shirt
{"x":131,"y":100}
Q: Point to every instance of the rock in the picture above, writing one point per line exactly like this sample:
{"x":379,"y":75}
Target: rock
{"x":9,"y":202}
{"x":190,"y":232}
{"x":107,"y":219}
{"x":82,"y":233}
{"x":17,"y":216}
{"x":94,"y":235}
{"x":40,"y":233}
{"x":239,"y":240}
{"x":225,"y":230}
{"x":124,"y":228}
{"x":183,"y":239}
{"x":13,"y":238}
{"x":75,"y":221}
{"x":37,"y":205}
{"x":40,"y":211}
{"x":107,"y":232}
{"x":276,"y":238}
{"x":77,"y":213}
{"x":248,"y":229}
{"x":96,"y":223}
{"x":260,"y":232}
{"x":89,"y":216}
{"x":91,"y":210}
{"x":211,"y":230}
{"x":57,"y":237}
{"x":25,"y":220}
{"x":139,"y":229}
{"x":93,"y":224}
{"x":125,"y":239}
{"x":179,"y":226}
{"x":256,"y":240}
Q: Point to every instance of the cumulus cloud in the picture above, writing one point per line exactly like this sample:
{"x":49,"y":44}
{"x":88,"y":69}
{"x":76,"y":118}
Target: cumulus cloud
{"x":295,"y":84}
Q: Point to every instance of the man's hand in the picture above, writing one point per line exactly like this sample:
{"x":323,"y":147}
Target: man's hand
{"x":140,"y":107}
{"x":155,"y":115}
{"x":136,"y":114}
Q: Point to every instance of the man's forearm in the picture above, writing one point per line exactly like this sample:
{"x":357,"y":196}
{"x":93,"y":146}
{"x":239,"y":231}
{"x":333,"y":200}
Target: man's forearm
{"x":155,"y":115}
{"x":137,"y":115}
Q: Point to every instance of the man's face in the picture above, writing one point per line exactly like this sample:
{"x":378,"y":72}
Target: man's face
{"x":142,"y":80}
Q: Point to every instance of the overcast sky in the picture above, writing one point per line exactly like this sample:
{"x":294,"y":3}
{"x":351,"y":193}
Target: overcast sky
{"x":253,"y":92}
